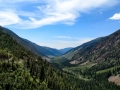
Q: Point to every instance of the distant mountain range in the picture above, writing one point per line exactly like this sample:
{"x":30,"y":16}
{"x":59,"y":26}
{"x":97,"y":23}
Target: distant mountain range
{"x":99,"y":50}
{"x":64,"y":50}
{"x":38,"y":50}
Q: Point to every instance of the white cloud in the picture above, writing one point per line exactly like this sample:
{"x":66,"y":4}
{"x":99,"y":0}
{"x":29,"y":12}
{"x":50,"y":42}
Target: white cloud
{"x":62,"y":37}
{"x":115,"y":16}
{"x":8,"y":18}
{"x":45,"y":12}
{"x":66,"y":43}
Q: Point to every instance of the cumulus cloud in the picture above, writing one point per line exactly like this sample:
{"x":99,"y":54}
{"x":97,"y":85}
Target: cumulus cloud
{"x":115,"y":16}
{"x":8,"y":18}
{"x":46,"y":12}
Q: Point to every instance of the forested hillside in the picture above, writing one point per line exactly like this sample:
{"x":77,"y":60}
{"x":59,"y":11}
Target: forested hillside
{"x":37,"y":49}
{"x":100,"y":50}
{"x":82,"y":48}
{"x":93,"y":62}
{"x":20,"y":69}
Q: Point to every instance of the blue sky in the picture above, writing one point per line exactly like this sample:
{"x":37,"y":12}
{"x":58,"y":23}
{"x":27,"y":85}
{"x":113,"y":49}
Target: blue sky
{"x":60,"y":23}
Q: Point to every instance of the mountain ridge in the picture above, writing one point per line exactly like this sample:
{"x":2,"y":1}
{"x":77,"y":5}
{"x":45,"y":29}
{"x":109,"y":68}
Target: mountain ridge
{"x":38,"y":50}
{"x":103,"y":49}
{"x":21,"y":69}
{"x":64,"y":50}
{"x":73,"y":51}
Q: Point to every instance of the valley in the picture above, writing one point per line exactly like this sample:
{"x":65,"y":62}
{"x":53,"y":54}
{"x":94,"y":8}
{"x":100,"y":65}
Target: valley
{"x":60,"y":45}
{"x":94,"y":60}
{"x":97,"y":65}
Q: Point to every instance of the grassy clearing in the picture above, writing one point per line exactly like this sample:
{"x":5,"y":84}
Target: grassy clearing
{"x":75,"y":74}
{"x":82,"y":66}
{"x":75,"y":71}
{"x":58,"y":59}
{"x":106,"y":70}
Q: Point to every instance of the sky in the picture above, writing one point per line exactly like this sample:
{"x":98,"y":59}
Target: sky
{"x":60,"y":23}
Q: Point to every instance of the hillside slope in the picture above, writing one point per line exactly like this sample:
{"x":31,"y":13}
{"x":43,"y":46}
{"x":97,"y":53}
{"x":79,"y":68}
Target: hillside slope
{"x":38,"y":50}
{"x":82,"y":48}
{"x":48,"y":51}
{"x":21,"y":69}
{"x":25,"y":43}
{"x":105,"y":49}
{"x":64,"y":50}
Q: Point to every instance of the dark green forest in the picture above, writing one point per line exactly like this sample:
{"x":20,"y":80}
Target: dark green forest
{"x":21,"y":69}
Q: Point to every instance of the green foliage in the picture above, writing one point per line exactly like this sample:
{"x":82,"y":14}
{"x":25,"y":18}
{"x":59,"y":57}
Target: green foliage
{"x":104,"y":54}
{"x":20,"y":69}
